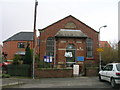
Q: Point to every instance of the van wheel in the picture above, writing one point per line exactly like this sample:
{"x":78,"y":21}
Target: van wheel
{"x":100,"y":78}
{"x":113,"y":84}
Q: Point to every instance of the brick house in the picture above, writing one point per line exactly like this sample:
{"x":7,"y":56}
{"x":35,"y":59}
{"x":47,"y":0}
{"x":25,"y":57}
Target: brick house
{"x":69,"y":41}
{"x":104,"y":44}
{"x":1,"y":48}
{"x":16,"y":44}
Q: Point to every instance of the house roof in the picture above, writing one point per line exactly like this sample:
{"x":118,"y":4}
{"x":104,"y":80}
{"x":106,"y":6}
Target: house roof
{"x":70,"y":33}
{"x":104,"y":44}
{"x":21,"y":36}
{"x":68,"y":17}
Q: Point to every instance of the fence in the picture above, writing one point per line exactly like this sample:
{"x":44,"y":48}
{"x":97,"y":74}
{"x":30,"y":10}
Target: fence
{"x":19,"y":70}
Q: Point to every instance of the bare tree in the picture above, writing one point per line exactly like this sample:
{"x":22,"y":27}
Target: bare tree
{"x":110,"y":54}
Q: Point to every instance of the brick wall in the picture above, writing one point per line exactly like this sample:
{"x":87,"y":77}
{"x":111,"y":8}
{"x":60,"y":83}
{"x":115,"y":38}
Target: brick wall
{"x":52,"y":73}
{"x":11,"y":47}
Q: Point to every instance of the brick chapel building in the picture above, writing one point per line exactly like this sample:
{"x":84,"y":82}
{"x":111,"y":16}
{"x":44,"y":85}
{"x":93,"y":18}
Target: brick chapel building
{"x":69,"y":41}
{"x":63,"y":44}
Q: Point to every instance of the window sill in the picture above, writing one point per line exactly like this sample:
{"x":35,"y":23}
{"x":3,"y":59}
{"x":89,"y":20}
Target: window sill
{"x":89,"y":58}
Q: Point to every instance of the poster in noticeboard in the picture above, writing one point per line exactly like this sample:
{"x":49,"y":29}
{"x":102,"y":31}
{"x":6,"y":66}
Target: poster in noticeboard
{"x":48,"y":59}
{"x":80,"y":58}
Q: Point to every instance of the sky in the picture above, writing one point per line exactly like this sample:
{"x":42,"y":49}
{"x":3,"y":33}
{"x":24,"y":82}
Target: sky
{"x":18,"y":15}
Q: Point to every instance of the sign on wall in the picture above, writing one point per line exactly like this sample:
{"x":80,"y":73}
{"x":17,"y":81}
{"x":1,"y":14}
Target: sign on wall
{"x":80,"y":58}
{"x":68,"y":54}
{"x":76,"y":70}
{"x":48,"y":59}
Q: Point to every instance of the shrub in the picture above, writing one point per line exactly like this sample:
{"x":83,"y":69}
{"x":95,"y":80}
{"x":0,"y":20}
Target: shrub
{"x":28,"y":55}
{"x":17,"y":59}
{"x":5,"y":75}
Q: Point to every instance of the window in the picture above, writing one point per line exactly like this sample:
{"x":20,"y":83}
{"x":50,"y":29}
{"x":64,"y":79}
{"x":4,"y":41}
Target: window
{"x":50,"y":46}
{"x":108,"y":68}
{"x":70,"y":25}
{"x":89,"y":43}
{"x":63,"y":41}
{"x":118,"y":67}
{"x":21,"y":45}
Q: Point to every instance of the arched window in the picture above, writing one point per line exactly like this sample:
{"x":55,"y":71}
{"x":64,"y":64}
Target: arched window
{"x":89,"y":43}
{"x":70,"y":25}
{"x":50,"y":46}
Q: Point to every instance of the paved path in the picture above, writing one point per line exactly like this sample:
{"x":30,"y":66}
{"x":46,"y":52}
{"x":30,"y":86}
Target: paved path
{"x":75,"y":82}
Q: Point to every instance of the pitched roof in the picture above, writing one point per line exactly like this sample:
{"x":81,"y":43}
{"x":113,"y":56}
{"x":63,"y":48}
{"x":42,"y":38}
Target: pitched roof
{"x":21,"y":36}
{"x":73,"y":18}
{"x":70,"y":33}
{"x":104,"y":44}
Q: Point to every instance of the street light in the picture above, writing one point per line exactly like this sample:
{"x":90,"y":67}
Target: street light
{"x":99,"y":46}
{"x":34,"y":38}
{"x":102,"y":27}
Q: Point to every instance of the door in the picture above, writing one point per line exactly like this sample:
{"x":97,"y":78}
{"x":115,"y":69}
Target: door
{"x":71,"y":51}
{"x":106,"y":73}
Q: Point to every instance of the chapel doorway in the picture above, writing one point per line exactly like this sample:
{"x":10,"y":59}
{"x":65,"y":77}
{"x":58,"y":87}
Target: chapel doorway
{"x":70,"y":55}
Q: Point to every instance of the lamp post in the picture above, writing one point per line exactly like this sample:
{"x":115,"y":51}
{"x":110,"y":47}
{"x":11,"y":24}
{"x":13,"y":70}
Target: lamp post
{"x":34,"y":38}
{"x":99,"y":46}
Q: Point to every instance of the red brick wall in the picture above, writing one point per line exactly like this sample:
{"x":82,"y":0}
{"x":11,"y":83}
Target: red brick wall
{"x":10,"y":48}
{"x":91,"y":71}
{"x":61,"y":48}
{"x":52,"y":73}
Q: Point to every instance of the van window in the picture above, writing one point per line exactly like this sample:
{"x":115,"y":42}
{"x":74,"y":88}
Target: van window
{"x":118,"y":67}
{"x":108,"y":68}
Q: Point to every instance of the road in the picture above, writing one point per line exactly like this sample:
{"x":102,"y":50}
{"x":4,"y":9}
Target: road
{"x":75,"y":82}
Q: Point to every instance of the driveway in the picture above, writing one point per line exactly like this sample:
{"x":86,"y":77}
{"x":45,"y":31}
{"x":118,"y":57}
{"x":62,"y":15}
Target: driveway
{"x":75,"y":82}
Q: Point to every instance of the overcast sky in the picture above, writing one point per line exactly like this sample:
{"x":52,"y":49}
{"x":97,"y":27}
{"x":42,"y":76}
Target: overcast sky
{"x":17,"y":15}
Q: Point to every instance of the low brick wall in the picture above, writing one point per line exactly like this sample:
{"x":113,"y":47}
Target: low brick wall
{"x":91,"y":71}
{"x":53,"y":73}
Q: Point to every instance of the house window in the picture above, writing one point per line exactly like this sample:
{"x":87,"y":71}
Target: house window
{"x":89,"y":43}
{"x":50,"y":46}
{"x":21,"y":45}
{"x":63,"y":41}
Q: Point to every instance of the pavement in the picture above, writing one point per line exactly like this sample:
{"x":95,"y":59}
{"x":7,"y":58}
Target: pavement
{"x":74,"y":82}
{"x":10,"y":81}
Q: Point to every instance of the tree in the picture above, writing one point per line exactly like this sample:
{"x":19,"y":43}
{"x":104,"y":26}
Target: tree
{"x":16,"y":59}
{"x":110,"y":54}
{"x":28,"y":55}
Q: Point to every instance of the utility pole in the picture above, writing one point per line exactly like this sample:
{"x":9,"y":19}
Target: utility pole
{"x":34,"y":38}
{"x":100,"y":47}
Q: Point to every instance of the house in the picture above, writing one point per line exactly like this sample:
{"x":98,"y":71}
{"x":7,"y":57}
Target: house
{"x":1,"y":47}
{"x":104,"y":44}
{"x":16,"y":44}
{"x":67,"y":42}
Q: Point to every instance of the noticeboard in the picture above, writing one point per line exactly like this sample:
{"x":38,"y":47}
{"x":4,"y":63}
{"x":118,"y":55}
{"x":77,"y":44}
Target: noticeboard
{"x":48,"y":59}
{"x":80,"y":58}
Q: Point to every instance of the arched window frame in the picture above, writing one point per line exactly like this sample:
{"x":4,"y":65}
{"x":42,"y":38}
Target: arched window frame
{"x":89,"y":48}
{"x":50,"y":46}
{"x":70,"y":25}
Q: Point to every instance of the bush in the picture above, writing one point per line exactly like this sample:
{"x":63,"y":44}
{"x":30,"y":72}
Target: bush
{"x":28,"y":55}
{"x":44,"y":65}
{"x":17,"y":59}
{"x":5,"y":75}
